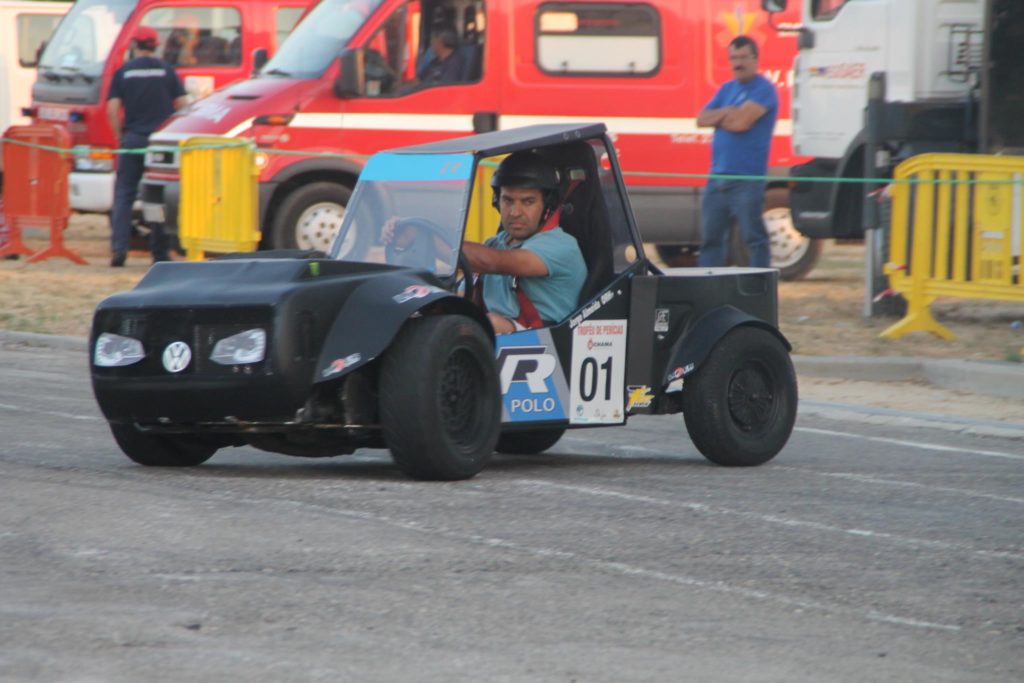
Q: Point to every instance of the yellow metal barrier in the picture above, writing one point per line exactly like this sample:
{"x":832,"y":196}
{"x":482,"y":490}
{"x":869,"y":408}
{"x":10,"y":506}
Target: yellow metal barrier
{"x":219,"y":200}
{"x":956,"y":233}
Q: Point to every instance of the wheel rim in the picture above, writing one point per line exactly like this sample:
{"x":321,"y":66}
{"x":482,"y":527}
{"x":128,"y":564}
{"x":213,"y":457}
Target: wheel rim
{"x":319,"y":224}
{"x":787,"y":244}
{"x":460,"y":396}
{"x":751,"y":397}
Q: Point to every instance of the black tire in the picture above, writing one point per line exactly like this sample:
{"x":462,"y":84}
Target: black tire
{"x":162,"y":451}
{"x":529,"y":443}
{"x":794,"y":254}
{"x":310,"y":216}
{"x":440,"y":405}
{"x":741,"y":404}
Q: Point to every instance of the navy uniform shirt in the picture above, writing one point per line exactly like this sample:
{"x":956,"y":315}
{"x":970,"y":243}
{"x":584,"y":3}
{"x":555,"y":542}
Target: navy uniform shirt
{"x":147,"y":88}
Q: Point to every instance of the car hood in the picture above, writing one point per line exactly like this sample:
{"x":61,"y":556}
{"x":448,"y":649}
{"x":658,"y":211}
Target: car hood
{"x":230,"y":110}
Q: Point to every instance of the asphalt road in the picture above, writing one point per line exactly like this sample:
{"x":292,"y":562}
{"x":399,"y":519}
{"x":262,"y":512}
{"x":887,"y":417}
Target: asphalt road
{"x":864,"y":552}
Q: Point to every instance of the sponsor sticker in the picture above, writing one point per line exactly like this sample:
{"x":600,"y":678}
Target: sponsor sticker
{"x":339,"y":364}
{"x":639,"y":396}
{"x":661,"y":320}
{"x":415,"y":292}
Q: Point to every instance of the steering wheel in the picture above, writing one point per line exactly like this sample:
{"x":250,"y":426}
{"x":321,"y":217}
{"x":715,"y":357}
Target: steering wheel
{"x":421,"y":251}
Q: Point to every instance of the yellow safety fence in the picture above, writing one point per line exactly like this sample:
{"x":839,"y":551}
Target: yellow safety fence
{"x":957,"y":229}
{"x":219,"y":206}
{"x":482,"y":221}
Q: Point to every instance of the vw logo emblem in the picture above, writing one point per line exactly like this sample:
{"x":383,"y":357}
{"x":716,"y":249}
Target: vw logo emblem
{"x":177,"y":356}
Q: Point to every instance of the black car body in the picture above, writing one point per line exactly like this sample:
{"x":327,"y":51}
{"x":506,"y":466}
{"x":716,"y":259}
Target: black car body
{"x":316,"y":355}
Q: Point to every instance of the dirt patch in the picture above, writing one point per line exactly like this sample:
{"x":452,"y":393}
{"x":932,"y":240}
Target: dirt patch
{"x":821,"y":315}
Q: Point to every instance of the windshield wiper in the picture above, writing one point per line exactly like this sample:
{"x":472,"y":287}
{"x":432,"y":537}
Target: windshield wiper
{"x":277,"y":72}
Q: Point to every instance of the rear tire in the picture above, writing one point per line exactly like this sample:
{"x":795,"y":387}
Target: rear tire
{"x":741,"y":404}
{"x":310,"y":217}
{"x":529,"y":443}
{"x":162,"y":451}
{"x":440,"y":404}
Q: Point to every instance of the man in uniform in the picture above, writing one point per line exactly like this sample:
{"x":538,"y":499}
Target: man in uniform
{"x":143,"y":93}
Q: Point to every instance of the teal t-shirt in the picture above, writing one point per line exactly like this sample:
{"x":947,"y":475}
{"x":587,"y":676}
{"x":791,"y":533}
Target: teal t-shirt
{"x":555,"y":295}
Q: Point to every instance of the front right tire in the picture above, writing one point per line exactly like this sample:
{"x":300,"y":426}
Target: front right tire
{"x":162,"y":451}
{"x":440,"y":404}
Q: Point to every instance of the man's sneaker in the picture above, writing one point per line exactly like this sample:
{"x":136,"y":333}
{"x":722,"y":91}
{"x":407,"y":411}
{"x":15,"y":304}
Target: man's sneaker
{"x":118,"y":259}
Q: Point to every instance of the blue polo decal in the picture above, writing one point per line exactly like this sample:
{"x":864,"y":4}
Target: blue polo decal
{"x":532,"y":381}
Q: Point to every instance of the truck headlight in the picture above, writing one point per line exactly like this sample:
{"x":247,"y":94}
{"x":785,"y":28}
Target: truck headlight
{"x":241,"y":349}
{"x":95,"y":161}
{"x":113,"y":351}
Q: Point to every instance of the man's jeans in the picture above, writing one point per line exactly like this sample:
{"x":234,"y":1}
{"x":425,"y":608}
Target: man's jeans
{"x":723,"y":201}
{"x":126,"y":189}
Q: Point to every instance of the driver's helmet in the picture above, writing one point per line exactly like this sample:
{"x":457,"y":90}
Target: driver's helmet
{"x":527,"y":169}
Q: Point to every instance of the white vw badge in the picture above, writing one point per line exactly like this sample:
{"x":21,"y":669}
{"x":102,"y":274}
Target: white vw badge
{"x":177,"y":356}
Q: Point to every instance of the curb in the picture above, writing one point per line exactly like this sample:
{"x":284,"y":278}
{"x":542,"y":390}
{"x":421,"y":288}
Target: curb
{"x":988,"y":378}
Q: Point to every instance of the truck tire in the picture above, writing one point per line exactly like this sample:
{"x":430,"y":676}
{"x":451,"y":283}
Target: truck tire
{"x":162,"y":451}
{"x":529,"y":443}
{"x":440,"y":404}
{"x":310,"y":216}
{"x":793,"y":253}
{"x":741,"y":404}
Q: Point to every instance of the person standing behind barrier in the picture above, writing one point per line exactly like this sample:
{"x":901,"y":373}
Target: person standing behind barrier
{"x":145,"y":90}
{"x":743,"y":114}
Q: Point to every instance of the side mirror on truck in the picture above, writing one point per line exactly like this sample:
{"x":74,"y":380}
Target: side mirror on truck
{"x":351,"y":80}
{"x":260,"y":57}
{"x":773,"y":6}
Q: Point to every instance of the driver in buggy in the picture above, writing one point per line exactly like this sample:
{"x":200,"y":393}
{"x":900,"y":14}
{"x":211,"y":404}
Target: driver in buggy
{"x":532,"y":271}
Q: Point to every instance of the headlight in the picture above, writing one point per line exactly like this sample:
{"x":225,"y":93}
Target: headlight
{"x":95,"y":162}
{"x":240,"y":349}
{"x":113,"y":350}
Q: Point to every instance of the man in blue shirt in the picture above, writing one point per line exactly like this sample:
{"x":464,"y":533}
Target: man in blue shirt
{"x":145,"y":90}
{"x":532,"y":270}
{"x":743,"y":114}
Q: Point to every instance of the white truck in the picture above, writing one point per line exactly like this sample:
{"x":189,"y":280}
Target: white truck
{"x":24,"y":27}
{"x":949,"y":77}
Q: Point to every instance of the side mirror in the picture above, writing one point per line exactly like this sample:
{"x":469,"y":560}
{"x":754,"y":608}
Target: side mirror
{"x":351,"y":80}
{"x":773,"y":6}
{"x":39,"y":55}
{"x":260,"y":56}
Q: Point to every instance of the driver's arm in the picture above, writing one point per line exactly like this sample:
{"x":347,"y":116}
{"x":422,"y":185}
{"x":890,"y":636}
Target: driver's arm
{"x":518,"y":262}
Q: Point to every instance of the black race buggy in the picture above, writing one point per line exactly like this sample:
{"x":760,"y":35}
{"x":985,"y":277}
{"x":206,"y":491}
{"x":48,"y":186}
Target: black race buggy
{"x":310,"y":354}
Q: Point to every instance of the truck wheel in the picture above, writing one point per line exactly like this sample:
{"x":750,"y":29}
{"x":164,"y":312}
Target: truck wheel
{"x":440,"y":405}
{"x":529,"y":443}
{"x":310,"y":217}
{"x":741,"y":404}
{"x":793,"y":253}
{"x":162,"y":451}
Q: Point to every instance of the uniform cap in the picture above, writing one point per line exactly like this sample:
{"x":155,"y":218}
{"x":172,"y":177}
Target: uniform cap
{"x":146,"y":35}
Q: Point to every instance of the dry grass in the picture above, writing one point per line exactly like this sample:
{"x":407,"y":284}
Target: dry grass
{"x":821,"y":315}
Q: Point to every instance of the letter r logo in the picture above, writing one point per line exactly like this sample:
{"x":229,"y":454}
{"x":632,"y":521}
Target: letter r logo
{"x":530,"y":364}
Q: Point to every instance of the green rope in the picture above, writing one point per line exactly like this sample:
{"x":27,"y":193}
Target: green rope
{"x":83,"y":150}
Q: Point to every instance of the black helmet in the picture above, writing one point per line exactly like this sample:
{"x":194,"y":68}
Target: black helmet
{"x":527,"y":169}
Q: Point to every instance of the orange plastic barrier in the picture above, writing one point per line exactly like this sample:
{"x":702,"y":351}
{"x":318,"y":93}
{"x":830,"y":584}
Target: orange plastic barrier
{"x":36,"y":189}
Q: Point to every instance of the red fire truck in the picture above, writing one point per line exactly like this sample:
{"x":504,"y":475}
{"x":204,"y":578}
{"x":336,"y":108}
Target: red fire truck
{"x":211,"y":43}
{"x":348,"y":82}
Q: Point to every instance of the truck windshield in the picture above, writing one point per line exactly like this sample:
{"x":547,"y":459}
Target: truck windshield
{"x":407,"y":210}
{"x":82,"y":41}
{"x":319,"y":38}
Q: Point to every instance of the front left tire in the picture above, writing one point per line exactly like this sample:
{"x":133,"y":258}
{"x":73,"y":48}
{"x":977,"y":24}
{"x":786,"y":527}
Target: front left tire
{"x":162,"y":451}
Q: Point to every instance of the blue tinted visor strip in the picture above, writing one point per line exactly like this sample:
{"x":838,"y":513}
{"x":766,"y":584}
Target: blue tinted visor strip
{"x":421,"y":167}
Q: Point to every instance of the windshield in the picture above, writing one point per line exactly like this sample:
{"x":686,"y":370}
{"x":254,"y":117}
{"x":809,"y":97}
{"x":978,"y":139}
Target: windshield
{"x":407,"y":210}
{"x":82,"y":41}
{"x":319,"y":38}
